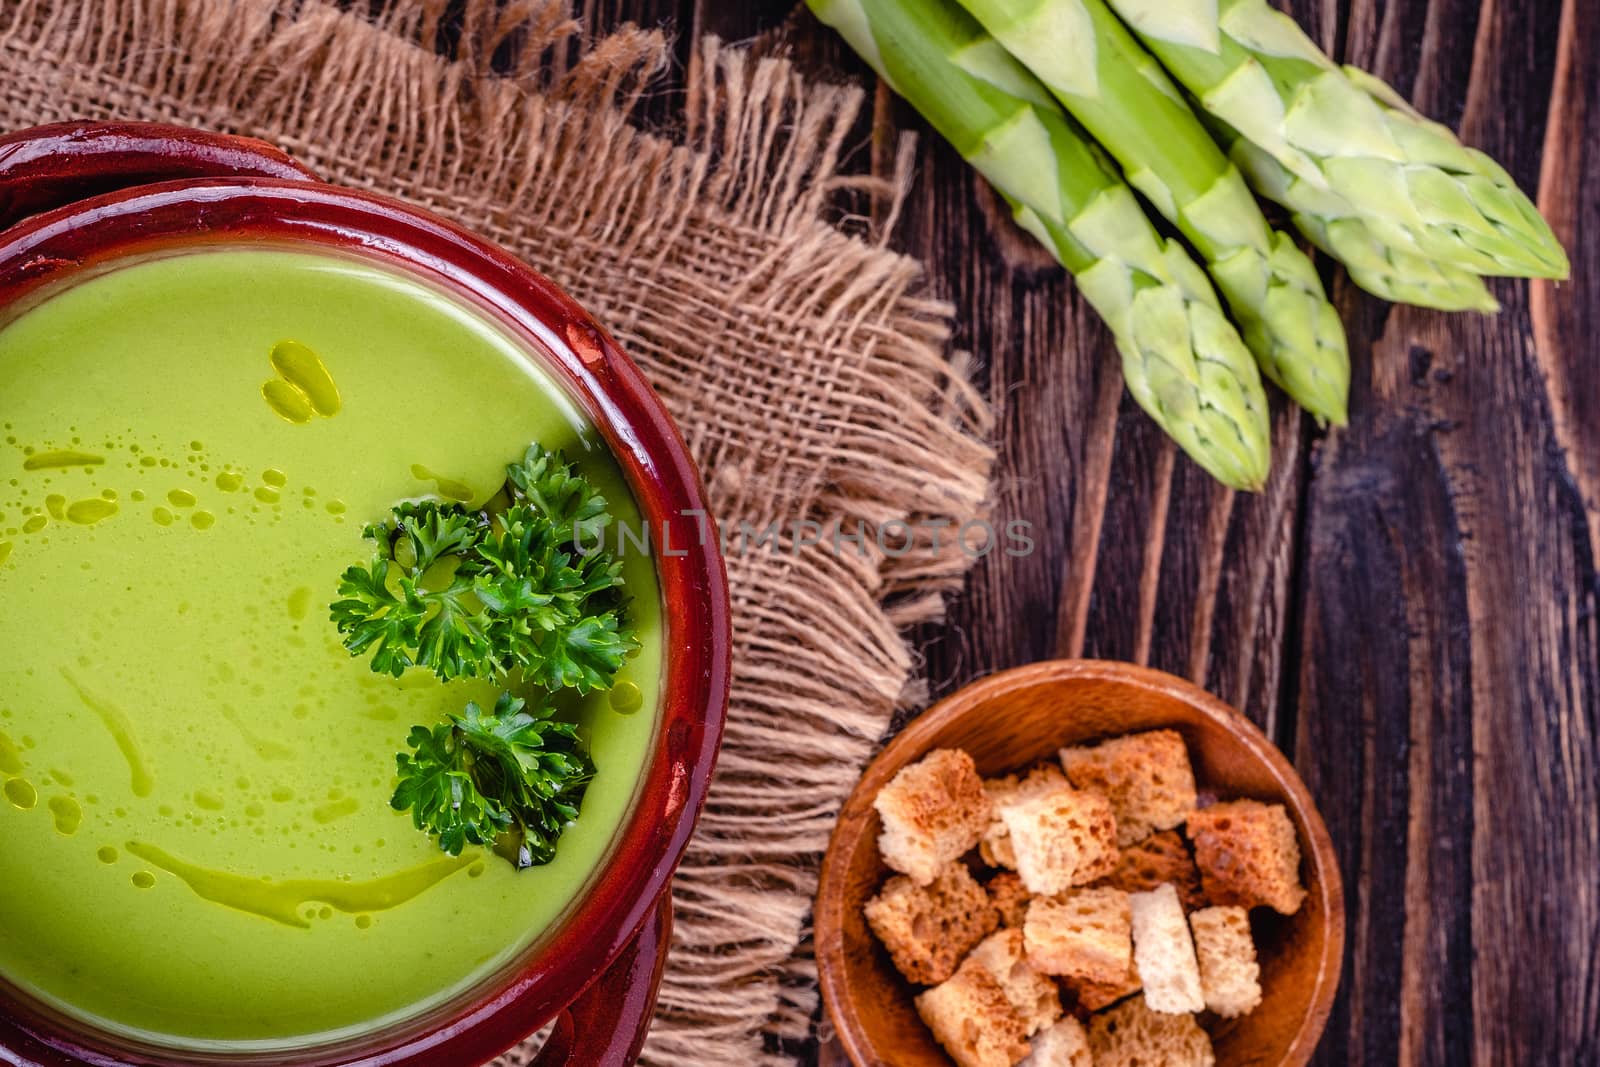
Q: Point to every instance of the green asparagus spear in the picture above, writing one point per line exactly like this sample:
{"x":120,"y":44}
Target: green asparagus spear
{"x":1182,"y":359}
{"x":1117,"y":90}
{"x":1399,"y":274}
{"x":1342,"y":130}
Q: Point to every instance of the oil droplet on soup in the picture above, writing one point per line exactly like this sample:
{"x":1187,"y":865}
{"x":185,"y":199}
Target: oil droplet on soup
{"x":21,"y":794}
{"x":289,"y":403}
{"x":626,"y":698}
{"x":88,"y":512}
{"x":51,"y":460}
{"x":304,"y":370}
{"x":448,"y":488}
{"x":68,"y":815}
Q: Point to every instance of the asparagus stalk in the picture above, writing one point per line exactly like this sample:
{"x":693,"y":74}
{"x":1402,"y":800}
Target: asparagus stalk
{"x":1397,"y":273}
{"x":1183,"y":361}
{"x":1344,"y":131}
{"x":1117,"y":90}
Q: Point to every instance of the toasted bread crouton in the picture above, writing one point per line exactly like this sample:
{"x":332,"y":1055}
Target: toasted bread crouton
{"x":1093,"y":996}
{"x":1034,"y":998}
{"x":1163,"y":952}
{"x":1010,"y":897}
{"x":1157,"y":860}
{"x":1248,"y":855}
{"x":1131,"y":1035}
{"x":1147,"y":778}
{"x":1065,"y":1044}
{"x":995,"y":844}
{"x":1085,"y":933}
{"x":971,"y":1017}
{"x":927,"y":929}
{"x":933,"y":811}
{"x":1230,"y":977}
{"x":1062,"y":839}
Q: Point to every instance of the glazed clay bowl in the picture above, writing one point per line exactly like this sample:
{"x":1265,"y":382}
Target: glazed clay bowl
{"x":1018,"y":717}
{"x":84,"y":197}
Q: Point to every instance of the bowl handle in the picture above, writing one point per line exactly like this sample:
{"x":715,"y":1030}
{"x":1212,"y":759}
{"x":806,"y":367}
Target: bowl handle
{"x":47,"y":167}
{"x":607,"y":1024}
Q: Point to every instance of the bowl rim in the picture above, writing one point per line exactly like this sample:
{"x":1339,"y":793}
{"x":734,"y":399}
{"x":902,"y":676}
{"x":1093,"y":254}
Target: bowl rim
{"x":917,"y":738}
{"x":195,"y":214}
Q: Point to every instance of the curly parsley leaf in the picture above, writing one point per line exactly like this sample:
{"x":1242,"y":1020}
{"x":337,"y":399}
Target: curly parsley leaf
{"x":480,"y":776}
{"x":438,"y":789}
{"x":470,"y":595}
{"x":372,"y":616}
{"x":545,"y":482}
{"x":584,"y":654}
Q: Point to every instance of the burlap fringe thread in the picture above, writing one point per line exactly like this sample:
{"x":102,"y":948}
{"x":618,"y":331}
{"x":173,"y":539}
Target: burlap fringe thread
{"x":809,"y":376}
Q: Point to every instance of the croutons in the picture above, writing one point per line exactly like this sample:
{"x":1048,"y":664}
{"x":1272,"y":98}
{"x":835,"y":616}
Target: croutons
{"x":933,"y":811}
{"x":1033,"y":997}
{"x":971,"y":1017}
{"x":1093,"y":933}
{"x":1061,"y":839}
{"x":1010,"y":897}
{"x":1065,"y":1044}
{"x":1082,"y":934}
{"x":1163,"y":952}
{"x":1230,"y":978}
{"x":1157,"y":860}
{"x":1131,"y":1035}
{"x":995,"y":844}
{"x":1147,"y":778}
{"x":927,"y":929}
{"x":1248,"y":855}
{"x":1092,"y":996}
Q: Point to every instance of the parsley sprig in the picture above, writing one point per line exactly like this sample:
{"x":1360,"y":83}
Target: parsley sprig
{"x":524,"y":591}
{"x":479,"y":595}
{"x":477,"y":778}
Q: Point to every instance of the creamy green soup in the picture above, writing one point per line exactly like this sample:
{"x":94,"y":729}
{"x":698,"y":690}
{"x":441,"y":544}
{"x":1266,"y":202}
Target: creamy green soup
{"x":196,"y":842}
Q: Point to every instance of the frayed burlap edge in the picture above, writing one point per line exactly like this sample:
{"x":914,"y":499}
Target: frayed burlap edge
{"x":806,"y":370}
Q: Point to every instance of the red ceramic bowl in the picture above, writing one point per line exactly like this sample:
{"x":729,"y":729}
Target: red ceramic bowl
{"x":83,"y":197}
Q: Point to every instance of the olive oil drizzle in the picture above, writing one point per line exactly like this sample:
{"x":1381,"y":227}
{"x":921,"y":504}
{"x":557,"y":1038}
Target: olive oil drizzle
{"x":121,"y":730}
{"x":282,"y":901}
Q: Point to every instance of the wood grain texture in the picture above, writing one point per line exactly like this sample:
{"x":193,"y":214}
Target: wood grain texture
{"x":1409,"y":609}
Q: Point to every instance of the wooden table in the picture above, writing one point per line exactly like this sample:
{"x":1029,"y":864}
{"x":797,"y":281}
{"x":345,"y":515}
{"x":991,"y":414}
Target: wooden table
{"x":1410,"y":606}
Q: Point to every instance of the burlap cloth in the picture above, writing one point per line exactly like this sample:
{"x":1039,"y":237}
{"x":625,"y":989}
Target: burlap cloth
{"x":806,"y":369}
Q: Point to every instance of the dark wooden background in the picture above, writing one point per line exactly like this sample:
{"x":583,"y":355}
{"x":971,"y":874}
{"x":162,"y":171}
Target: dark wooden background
{"x":1410,"y":607}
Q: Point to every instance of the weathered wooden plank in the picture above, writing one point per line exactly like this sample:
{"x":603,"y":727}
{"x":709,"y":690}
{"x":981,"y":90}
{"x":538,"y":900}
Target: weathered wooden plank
{"x":1566,"y":316}
{"x":1446,"y":682}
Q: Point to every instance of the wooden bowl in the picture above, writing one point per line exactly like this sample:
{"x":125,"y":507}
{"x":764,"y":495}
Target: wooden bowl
{"x":1012,"y":719}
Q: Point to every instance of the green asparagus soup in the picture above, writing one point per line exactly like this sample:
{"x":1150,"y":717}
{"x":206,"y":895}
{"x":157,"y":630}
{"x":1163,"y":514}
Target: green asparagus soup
{"x":196,"y":841}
